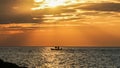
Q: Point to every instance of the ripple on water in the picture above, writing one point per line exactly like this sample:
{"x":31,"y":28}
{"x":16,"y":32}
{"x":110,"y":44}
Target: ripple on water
{"x":67,"y":58}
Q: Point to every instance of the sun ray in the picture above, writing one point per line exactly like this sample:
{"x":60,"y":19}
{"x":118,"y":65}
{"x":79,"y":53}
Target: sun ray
{"x":38,"y":1}
{"x":42,"y":4}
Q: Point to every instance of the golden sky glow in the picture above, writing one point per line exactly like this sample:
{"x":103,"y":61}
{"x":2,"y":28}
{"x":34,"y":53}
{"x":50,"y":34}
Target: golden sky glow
{"x":41,"y":4}
{"x":60,"y":22}
{"x":54,"y":3}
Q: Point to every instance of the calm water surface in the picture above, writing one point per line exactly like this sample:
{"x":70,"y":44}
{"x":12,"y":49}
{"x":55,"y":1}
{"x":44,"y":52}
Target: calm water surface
{"x":69,"y":57}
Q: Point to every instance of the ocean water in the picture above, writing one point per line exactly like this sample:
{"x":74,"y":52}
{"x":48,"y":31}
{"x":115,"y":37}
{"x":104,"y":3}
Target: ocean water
{"x":69,"y":57}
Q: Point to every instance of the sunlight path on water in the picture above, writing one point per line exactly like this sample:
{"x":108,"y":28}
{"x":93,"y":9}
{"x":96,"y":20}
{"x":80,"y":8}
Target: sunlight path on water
{"x":59,"y":59}
{"x":69,"y":57}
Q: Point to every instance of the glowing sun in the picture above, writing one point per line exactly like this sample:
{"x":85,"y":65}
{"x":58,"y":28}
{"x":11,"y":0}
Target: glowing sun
{"x":42,"y":4}
{"x":51,"y":3}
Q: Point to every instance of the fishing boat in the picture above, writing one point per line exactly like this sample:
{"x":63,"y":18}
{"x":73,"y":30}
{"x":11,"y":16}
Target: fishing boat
{"x":56,"y":48}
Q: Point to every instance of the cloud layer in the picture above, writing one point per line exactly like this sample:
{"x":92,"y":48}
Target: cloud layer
{"x":19,"y":11}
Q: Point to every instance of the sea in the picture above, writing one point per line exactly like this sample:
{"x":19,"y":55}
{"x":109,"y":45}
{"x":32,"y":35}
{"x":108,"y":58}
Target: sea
{"x":68,"y":57}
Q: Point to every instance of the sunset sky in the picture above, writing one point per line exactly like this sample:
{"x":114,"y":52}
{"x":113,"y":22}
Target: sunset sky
{"x":60,"y":22}
{"x":20,"y":11}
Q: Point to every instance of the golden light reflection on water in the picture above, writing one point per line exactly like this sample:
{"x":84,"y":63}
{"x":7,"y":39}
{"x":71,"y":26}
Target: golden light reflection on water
{"x":52,"y":58}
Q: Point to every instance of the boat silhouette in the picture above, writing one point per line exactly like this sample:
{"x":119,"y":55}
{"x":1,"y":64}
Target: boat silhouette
{"x":56,"y":48}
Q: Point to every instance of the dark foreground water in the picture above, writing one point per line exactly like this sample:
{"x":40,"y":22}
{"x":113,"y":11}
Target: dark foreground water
{"x":69,"y":57}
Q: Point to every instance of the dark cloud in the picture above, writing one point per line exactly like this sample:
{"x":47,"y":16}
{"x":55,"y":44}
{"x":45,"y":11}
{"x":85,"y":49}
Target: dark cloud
{"x":102,"y":7}
{"x":19,"y":11}
{"x":15,"y":11}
